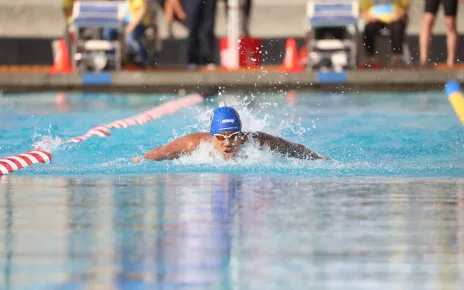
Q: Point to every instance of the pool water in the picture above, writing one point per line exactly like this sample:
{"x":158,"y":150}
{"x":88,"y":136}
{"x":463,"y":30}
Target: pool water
{"x":364,"y":134}
{"x":385,"y":212}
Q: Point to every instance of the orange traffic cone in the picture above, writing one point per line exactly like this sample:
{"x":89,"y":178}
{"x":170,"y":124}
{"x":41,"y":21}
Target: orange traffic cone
{"x":291,"y":62}
{"x":61,"y":63}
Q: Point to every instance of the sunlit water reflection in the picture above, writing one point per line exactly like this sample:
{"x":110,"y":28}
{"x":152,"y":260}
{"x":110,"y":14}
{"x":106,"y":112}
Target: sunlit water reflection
{"x":230,"y":231}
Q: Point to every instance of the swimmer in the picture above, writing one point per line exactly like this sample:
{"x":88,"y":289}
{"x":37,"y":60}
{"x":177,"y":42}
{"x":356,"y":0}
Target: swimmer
{"x":227,"y":137}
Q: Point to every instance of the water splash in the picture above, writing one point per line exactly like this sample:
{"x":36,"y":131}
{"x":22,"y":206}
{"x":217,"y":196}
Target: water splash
{"x":48,"y":144}
{"x":46,"y":141}
{"x":251,"y":157}
{"x":249,"y":154}
{"x":254,"y":118}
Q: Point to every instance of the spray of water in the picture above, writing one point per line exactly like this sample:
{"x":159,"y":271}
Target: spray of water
{"x":251,"y":154}
{"x":46,"y":141}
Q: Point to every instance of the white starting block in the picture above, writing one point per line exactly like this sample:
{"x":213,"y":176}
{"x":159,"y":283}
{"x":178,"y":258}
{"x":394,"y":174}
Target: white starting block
{"x":89,"y":50}
{"x":333,"y":35}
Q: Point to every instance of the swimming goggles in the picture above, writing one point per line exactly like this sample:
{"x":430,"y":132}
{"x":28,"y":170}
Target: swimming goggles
{"x":232,"y":137}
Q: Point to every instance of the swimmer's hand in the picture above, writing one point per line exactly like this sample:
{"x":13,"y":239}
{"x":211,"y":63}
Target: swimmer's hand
{"x":136,"y":159}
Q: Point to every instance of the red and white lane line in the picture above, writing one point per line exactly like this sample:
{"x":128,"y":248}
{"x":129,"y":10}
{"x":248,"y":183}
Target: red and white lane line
{"x":142,"y":118}
{"x":13,"y":163}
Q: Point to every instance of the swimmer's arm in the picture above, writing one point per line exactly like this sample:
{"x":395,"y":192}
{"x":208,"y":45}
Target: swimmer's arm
{"x":176,"y":148}
{"x":286,"y":147}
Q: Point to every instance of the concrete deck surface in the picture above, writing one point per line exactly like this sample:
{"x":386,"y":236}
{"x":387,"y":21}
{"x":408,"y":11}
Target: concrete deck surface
{"x":271,"y":80}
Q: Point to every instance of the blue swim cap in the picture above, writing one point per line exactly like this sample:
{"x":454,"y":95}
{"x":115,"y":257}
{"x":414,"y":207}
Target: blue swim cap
{"x":224,"y":119}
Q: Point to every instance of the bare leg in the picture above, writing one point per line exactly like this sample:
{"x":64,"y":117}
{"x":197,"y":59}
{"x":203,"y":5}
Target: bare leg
{"x":424,"y":37}
{"x":451,"y":39}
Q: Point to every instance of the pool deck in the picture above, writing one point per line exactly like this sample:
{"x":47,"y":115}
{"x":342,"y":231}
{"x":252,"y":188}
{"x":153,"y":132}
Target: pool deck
{"x":267,"y":79}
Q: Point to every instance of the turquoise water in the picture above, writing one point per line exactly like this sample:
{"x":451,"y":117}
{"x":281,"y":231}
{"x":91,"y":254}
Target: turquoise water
{"x":364,"y":134}
{"x":386,"y":212}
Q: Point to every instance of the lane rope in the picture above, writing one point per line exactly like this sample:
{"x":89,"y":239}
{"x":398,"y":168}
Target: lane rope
{"x":456,"y":98}
{"x":13,"y":163}
{"x":38,"y":155}
{"x":140,"y":119}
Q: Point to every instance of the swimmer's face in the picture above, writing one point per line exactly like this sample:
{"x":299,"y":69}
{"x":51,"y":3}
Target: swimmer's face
{"x":227,"y":143}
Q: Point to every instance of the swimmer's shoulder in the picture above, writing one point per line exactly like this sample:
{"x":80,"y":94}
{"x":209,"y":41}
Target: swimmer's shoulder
{"x":252,"y":135}
{"x":261,"y":137}
{"x":198,"y":137}
{"x":189,"y":142}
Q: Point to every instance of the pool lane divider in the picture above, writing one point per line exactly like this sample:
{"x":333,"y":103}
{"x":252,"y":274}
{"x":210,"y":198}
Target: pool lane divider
{"x":142,"y":118}
{"x":38,"y":155}
{"x":456,"y":98}
{"x":13,"y":163}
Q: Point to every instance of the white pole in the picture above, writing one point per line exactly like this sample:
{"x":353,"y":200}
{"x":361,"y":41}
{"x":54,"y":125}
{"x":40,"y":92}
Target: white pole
{"x":233,"y":33}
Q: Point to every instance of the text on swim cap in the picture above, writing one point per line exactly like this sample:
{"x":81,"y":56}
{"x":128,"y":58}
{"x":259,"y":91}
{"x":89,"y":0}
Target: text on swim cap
{"x":228,"y":121}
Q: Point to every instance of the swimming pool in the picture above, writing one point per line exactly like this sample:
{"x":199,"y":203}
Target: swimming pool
{"x":385,"y":212}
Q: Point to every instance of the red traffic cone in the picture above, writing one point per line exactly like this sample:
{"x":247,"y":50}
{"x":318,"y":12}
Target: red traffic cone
{"x":291,"y":61}
{"x":61,"y":63}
